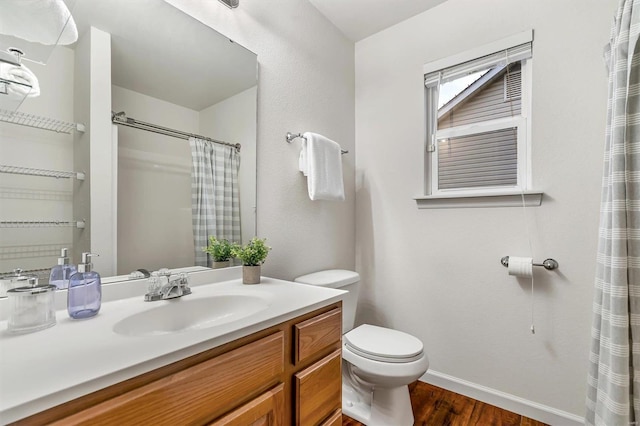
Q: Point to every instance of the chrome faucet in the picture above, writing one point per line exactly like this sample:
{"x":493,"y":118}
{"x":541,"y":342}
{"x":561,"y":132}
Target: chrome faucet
{"x":163,"y":286}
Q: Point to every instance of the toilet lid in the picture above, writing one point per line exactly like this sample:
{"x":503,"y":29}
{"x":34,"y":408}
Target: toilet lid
{"x":383,"y":344}
{"x":332,"y":278}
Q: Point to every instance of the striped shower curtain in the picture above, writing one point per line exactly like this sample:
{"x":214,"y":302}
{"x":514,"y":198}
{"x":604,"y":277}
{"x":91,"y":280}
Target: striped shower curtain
{"x":215,"y":195}
{"x":613,"y":388}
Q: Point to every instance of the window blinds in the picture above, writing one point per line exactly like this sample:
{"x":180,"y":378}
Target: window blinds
{"x":480,"y":160}
{"x":512,"y":85}
{"x":502,"y":57}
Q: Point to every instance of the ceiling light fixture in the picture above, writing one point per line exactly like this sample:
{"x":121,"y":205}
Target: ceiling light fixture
{"x":232,"y":4}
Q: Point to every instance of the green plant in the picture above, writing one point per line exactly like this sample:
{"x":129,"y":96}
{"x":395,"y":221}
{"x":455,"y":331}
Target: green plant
{"x":252,"y":254}
{"x":220,"y":250}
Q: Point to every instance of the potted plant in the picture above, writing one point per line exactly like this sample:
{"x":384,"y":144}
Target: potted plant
{"x":253,"y":256}
{"x":221,"y":252}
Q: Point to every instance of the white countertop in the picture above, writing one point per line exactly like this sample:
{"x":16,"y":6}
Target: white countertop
{"x":75,"y":357}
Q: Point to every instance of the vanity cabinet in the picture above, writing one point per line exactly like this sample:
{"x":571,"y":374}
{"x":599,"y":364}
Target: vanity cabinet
{"x":284,"y":375}
{"x":318,"y":388}
{"x":265,"y":410}
{"x":195,"y":394}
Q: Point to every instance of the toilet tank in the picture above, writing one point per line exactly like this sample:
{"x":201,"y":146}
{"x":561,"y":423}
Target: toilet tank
{"x":343,"y":280}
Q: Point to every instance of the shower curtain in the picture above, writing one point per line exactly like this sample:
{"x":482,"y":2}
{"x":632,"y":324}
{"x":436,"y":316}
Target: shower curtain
{"x":613,"y":388}
{"x":215,"y":198}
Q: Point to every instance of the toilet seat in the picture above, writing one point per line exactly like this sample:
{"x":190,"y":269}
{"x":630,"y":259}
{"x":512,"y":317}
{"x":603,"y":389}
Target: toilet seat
{"x":383,"y":344}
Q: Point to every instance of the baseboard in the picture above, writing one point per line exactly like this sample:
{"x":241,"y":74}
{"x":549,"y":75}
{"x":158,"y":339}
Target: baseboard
{"x":524,"y":407}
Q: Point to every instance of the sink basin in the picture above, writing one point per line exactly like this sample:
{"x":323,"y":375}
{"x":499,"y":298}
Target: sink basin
{"x":180,"y":315}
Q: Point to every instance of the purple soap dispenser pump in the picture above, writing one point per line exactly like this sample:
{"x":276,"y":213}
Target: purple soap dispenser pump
{"x":84,"y":296}
{"x":61,"y":273}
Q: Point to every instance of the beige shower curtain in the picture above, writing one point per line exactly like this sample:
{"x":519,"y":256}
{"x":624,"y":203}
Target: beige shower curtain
{"x":613,"y":388}
{"x":215,"y":195}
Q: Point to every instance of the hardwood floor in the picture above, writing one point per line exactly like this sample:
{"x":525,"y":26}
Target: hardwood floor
{"x":434,"y":406}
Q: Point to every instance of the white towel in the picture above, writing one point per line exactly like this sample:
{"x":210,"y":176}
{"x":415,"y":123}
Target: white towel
{"x":40,"y":21}
{"x":321,"y":162}
{"x":28,"y":86}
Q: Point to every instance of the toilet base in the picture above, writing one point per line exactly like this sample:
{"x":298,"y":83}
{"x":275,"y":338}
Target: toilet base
{"x":380,"y":407}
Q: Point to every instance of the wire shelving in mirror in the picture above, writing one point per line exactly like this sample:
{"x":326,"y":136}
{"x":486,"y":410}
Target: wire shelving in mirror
{"x":42,"y":273}
{"x":41,"y":172}
{"x":39,"y":122}
{"x":80,"y":224}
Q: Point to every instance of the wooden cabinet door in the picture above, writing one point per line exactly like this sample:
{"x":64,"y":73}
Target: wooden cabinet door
{"x":194,"y":395}
{"x":316,"y":334}
{"x":318,"y":390}
{"x":265,"y":410}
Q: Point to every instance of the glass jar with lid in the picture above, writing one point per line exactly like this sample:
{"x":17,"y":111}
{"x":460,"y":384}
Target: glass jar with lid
{"x":31,"y":308}
{"x":14,"y":279}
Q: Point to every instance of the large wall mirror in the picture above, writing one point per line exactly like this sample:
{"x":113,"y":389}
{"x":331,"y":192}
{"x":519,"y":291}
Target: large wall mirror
{"x":147,"y":62}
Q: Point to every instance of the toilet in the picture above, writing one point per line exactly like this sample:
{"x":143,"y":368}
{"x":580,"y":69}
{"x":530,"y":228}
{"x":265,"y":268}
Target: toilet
{"x":377,"y":363}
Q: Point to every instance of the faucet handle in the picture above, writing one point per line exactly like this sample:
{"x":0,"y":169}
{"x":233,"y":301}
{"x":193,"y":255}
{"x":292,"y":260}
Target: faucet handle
{"x":154,"y":288}
{"x":153,"y":285}
{"x":162,"y":276}
{"x":184,"y":279}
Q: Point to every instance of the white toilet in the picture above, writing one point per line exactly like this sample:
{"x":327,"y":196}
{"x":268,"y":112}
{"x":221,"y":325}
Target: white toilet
{"x":377,"y":363}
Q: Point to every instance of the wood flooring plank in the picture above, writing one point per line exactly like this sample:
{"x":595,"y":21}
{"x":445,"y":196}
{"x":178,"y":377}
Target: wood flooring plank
{"x":530,"y":422}
{"x":451,"y":409}
{"x":488,"y":415}
{"x":434,"y":406}
{"x":424,"y":401}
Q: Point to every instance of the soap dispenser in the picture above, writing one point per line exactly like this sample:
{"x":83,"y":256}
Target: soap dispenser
{"x":85,"y":293}
{"x":61,"y":273}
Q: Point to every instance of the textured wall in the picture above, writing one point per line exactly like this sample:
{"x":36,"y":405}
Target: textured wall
{"x":436,"y":273}
{"x":306,"y":83}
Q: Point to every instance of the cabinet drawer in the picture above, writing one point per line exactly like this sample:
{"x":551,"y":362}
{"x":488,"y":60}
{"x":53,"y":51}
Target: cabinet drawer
{"x":317,"y":333}
{"x":267,"y":410}
{"x":334,"y":420}
{"x":197,"y":394}
{"x":319,"y":390}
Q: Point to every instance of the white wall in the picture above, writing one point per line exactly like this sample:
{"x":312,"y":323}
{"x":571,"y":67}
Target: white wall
{"x":102,"y":155}
{"x":94,"y":152}
{"x":437,"y":273}
{"x":306,"y":83}
{"x":234,"y":120}
{"x":154,"y":185}
{"x":81,"y":144}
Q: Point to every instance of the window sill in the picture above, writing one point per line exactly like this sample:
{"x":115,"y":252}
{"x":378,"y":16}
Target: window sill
{"x":531,"y":199}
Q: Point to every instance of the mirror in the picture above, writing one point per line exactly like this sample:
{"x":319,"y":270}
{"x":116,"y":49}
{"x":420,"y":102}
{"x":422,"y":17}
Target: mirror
{"x":157,"y":65}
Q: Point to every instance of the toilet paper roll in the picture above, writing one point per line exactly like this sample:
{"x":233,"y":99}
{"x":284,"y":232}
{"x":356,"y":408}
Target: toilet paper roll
{"x":520,"y":266}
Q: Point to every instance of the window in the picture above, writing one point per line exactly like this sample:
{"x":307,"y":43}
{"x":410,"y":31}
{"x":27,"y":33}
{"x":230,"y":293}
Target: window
{"x":477,"y":121}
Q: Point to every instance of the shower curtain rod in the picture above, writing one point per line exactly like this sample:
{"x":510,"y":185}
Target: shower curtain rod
{"x":122,"y":119}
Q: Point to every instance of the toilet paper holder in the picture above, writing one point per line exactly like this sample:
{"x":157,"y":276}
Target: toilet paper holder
{"x":548,"y":264}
